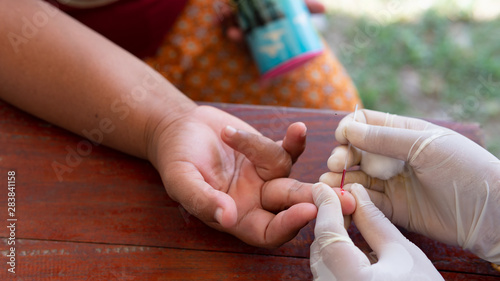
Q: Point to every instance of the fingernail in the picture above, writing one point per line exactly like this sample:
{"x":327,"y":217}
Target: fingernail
{"x":322,"y":178}
{"x":230,"y":131}
{"x":218,"y":215}
{"x":318,"y":186}
{"x":304,"y":133}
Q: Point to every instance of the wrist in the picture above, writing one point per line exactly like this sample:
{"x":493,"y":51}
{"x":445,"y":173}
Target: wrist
{"x":163,"y":114}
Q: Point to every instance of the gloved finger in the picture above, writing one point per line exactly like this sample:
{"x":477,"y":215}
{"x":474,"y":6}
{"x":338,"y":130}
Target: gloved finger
{"x":188,"y":187}
{"x":280,"y":194}
{"x":376,"y":229}
{"x":392,"y":142}
{"x":315,"y":6}
{"x":336,"y":161}
{"x":295,"y":140}
{"x":376,"y":118}
{"x":398,"y":258}
{"x":265,"y":229}
{"x":374,"y":187}
{"x":334,"y":179}
{"x":382,"y":202}
{"x":270,"y":159}
{"x":385,"y":134}
{"x":333,"y":254}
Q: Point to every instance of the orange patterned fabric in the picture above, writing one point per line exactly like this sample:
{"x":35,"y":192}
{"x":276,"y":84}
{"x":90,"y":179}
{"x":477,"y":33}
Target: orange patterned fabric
{"x":205,"y":65}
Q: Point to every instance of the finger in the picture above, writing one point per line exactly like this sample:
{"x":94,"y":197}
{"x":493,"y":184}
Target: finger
{"x":336,"y":161}
{"x":329,"y":218}
{"x":334,"y":179}
{"x":383,"y":119}
{"x":382,"y":202}
{"x":374,"y":187}
{"x":340,"y":132}
{"x":270,"y":159}
{"x":333,"y":254}
{"x":376,"y":229}
{"x":385,"y":134}
{"x":295,"y":140}
{"x":280,"y":194}
{"x":315,"y":6}
{"x":377,"y":118}
{"x":264,"y":229}
{"x":188,"y":187}
{"x":394,"y":251}
{"x":392,"y":142}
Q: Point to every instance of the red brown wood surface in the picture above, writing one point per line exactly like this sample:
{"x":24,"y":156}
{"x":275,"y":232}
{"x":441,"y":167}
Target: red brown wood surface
{"x":113,"y":201}
{"x":52,"y":260}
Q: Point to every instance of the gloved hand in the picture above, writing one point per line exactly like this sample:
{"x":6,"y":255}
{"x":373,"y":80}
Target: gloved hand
{"x":335,"y":257}
{"x":449,"y":189}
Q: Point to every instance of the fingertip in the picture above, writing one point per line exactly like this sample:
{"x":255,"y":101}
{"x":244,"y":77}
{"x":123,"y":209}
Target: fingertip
{"x":329,"y":178}
{"x":336,"y":161}
{"x":288,"y":223}
{"x":347,"y":201}
{"x":301,"y":128}
{"x":318,"y":189}
{"x":309,"y":211}
{"x":358,"y":192}
{"x":340,"y":132}
{"x":297,"y":129}
{"x":355,"y":130}
{"x":230,"y":131}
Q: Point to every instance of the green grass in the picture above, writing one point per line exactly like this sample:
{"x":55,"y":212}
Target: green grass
{"x":439,"y":64}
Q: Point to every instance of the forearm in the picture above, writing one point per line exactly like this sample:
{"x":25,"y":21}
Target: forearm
{"x":61,"y":71}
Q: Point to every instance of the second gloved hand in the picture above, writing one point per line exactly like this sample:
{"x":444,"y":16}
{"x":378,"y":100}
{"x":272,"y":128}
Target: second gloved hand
{"x":335,"y":257}
{"x":449,"y":190}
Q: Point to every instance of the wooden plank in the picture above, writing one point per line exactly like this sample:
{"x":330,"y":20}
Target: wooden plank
{"x":459,"y":276}
{"x":51,"y":260}
{"x":54,"y":260}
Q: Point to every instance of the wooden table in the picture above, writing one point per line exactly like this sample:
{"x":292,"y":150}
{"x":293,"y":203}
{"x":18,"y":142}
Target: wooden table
{"x":111,"y":219}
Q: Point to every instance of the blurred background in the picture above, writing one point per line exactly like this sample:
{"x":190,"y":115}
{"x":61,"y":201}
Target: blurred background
{"x":437,"y":59}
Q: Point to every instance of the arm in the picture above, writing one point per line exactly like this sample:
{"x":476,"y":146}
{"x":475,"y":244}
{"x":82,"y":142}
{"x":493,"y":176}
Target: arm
{"x":63,"y":72}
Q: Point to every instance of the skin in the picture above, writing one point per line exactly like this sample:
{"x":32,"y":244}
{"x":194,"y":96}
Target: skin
{"x":67,"y":74}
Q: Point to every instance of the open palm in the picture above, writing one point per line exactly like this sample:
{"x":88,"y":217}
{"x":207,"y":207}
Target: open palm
{"x":236,"y":182}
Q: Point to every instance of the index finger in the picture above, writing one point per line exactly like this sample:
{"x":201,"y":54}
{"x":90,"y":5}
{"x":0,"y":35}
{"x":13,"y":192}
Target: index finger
{"x":389,"y":135}
{"x":333,"y":253}
{"x":377,"y":118}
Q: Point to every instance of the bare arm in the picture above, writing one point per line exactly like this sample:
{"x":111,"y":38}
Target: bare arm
{"x":63,"y":72}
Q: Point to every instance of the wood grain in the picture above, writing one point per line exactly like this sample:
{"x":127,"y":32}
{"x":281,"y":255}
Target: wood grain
{"x":52,"y":260}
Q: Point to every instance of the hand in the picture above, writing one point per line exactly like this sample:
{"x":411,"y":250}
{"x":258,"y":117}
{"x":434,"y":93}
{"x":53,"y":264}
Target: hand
{"x":233,"y":180}
{"x":449,"y":189}
{"x":335,"y":257}
{"x":230,"y":24}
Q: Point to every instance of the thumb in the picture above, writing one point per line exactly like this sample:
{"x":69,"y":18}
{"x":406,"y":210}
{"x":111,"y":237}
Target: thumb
{"x":200,"y":199}
{"x":333,"y":254}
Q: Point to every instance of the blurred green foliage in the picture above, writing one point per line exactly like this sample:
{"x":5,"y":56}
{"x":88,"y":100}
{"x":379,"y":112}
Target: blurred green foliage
{"x":434,"y":66}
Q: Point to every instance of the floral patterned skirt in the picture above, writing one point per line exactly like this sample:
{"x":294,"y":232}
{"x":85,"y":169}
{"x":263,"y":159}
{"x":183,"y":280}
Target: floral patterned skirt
{"x":204,"y":64}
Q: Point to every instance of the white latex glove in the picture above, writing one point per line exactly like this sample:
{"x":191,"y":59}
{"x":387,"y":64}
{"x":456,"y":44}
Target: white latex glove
{"x":449,"y":189}
{"x":335,"y":257}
